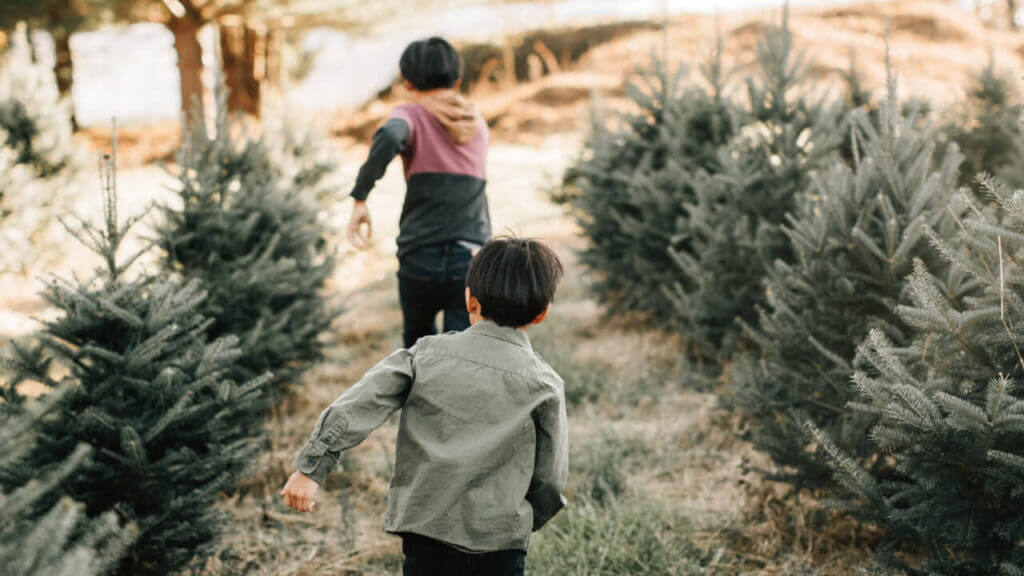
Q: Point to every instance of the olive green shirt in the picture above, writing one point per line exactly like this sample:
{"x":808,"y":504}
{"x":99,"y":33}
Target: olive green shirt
{"x":482,"y":453}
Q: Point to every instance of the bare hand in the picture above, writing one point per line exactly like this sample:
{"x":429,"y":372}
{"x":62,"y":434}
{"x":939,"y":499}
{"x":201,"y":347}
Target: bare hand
{"x":299,"y":491}
{"x":360,"y":216}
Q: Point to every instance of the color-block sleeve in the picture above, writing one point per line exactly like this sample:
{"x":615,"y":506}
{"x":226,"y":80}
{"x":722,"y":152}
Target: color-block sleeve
{"x":551,"y":466}
{"x":358,"y":411}
{"x":389,"y":140}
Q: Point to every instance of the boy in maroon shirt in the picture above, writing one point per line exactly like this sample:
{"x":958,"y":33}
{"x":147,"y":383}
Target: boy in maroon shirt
{"x":445,"y":217}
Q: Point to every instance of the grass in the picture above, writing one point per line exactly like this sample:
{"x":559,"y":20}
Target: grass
{"x":628,"y":536}
{"x":600,"y":468}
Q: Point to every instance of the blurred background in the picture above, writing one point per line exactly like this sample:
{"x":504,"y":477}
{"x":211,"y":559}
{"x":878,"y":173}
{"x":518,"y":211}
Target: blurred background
{"x":146,"y":60}
{"x":662,"y":482}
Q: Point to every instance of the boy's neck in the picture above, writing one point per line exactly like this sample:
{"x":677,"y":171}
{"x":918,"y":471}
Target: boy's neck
{"x":427,"y":93}
{"x":475,"y":318}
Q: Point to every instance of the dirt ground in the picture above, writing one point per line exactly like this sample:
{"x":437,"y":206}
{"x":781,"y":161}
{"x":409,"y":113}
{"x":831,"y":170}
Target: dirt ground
{"x":681,"y":454}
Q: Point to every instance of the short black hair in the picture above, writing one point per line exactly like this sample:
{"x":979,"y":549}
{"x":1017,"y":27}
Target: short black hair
{"x":430,"y":64}
{"x":514,"y":279}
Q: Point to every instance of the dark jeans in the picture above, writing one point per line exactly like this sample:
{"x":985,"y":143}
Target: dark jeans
{"x":426,"y":557}
{"x":432,"y":279}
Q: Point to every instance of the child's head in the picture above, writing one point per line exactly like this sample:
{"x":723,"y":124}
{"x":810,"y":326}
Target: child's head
{"x":431,"y":64}
{"x":512,"y":281}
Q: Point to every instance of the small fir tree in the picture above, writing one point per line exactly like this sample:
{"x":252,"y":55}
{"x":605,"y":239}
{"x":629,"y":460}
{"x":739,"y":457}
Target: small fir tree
{"x":732,"y":231}
{"x":59,"y":540}
{"x":987,"y":128}
{"x":301,"y":153}
{"x":949,"y":409}
{"x":24,"y":214}
{"x":38,"y":161}
{"x":631,"y":184}
{"x":853,"y":245}
{"x":36,"y":124}
{"x":148,"y":392}
{"x":257,"y":247}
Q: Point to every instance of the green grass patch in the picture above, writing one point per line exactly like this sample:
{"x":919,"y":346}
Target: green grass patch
{"x":628,"y":536}
{"x":599,"y":467}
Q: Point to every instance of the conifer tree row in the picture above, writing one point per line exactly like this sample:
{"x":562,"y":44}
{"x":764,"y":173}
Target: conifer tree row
{"x":732,"y":231}
{"x":853,"y":243}
{"x":146,"y":390}
{"x":256,"y":245}
{"x":987,"y":128}
{"x":634,"y":180}
{"x":949,"y":408}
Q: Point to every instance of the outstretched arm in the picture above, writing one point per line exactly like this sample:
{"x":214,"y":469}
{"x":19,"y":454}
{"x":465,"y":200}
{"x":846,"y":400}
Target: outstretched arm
{"x":388,"y":141}
{"x":348,"y":421}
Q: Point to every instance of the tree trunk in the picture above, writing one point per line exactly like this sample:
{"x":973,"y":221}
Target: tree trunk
{"x":243,"y":52}
{"x":63,"y":69}
{"x":190,"y":63}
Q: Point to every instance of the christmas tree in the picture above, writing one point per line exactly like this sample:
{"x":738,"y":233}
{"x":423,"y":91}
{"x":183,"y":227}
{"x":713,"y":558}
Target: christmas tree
{"x":36,"y":125}
{"x":38,"y":161}
{"x":853,"y":244}
{"x":631,"y":184}
{"x":731,"y":232}
{"x":257,"y":247}
{"x":147,"y":391}
{"x":949,"y":409}
{"x":59,"y":540}
{"x":987,"y":128}
{"x":302,"y":155}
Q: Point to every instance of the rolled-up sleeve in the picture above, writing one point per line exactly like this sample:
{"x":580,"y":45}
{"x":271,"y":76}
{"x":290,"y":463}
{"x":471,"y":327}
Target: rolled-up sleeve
{"x":551,"y":467}
{"x":356,"y":413}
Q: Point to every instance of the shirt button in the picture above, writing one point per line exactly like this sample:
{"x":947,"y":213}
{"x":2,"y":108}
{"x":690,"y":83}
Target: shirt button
{"x":327,"y":439}
{"x":310,"y":462}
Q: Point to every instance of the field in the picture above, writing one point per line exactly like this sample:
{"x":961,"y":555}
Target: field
{"x":660,"y":482}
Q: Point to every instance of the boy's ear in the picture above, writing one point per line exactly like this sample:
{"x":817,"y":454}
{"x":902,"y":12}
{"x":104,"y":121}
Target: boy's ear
{"x":472,"y":304}
{"x":408,"y":85}
{"x":540,"y":317}
{"x":457,"y":85}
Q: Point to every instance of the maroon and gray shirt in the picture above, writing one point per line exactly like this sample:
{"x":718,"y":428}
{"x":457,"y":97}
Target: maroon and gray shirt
{"x":445,"y":200}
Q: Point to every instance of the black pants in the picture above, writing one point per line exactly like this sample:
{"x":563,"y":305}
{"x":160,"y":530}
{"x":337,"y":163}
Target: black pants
{"x":432,"y":279}
{"x":426,"y":557}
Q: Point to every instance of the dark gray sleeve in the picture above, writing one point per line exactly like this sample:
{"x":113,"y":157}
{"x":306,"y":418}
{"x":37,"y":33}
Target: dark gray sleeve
{"x":388,"y":141}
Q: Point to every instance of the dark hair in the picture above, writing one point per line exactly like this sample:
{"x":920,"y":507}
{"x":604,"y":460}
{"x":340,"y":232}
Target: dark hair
{"x":430,"y":64}
{"x":514,"y":279}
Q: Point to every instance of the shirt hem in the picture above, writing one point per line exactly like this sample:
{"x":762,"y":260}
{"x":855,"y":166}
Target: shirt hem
{"x":455,"y":545}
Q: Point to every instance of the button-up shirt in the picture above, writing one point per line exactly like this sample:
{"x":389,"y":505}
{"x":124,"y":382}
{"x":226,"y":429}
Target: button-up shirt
{"x":482,"y":452}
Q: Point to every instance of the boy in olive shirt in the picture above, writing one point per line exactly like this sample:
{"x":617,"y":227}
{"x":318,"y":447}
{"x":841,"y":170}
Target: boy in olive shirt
{"x":481,"y":459}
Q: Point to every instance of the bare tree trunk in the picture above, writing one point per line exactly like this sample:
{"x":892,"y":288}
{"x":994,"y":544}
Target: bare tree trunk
{"x":272,"y":72}
{"x":244,"y":64}
{"x":63,"y":69}
{"x":190,"y":63}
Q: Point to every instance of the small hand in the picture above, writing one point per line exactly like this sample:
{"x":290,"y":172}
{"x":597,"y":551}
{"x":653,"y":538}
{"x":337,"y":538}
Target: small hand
{"x":299,"y":491}
{"x":360,"y":216}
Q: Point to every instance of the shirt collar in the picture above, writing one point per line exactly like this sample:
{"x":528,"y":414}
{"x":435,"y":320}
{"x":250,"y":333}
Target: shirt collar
{"x":506,"y":333}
